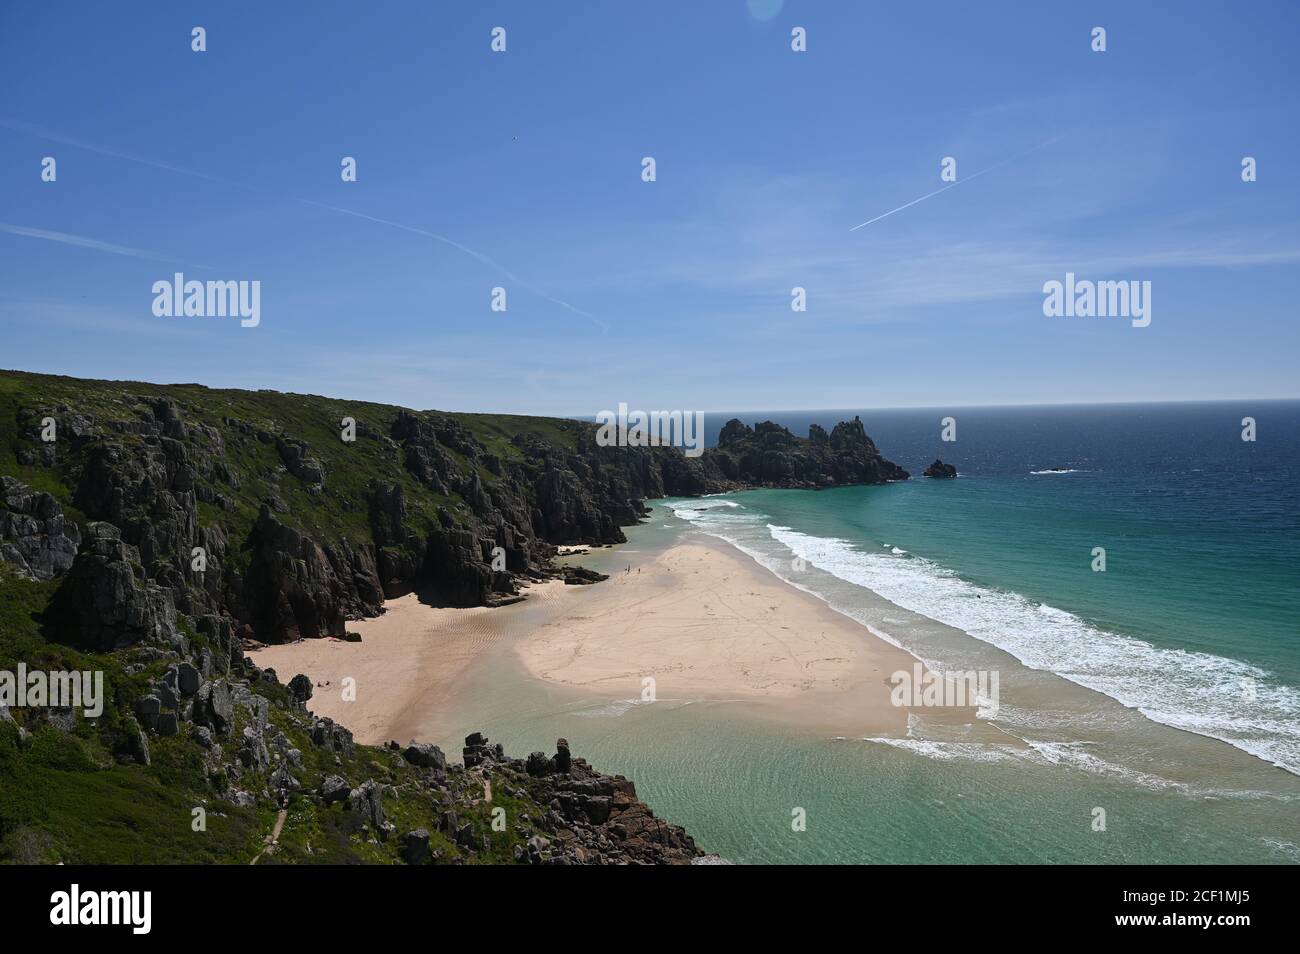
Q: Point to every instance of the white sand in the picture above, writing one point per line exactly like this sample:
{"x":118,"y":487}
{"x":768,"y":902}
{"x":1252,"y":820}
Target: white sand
{"x":410,"y":661}
{"x":705,"y":622}
{"x":708,"y":623}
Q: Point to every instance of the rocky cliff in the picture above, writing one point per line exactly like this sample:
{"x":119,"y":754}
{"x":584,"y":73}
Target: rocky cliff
{"x":156,"y":528}
{"x":768,"y":455}
{"x":290,"y":515}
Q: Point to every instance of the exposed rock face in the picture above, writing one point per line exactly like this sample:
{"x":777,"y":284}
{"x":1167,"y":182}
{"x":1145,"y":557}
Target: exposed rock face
{"x":940,"y":469}
{"x":300,"y":688}
{"x":600,"y":817}
{"x":415,"y":847}
{"x":477,"y":750}
{"x":367,"y":801}
{"x":214,"y":707}
{"x":34,"y":537}
{"x":297,"y":461}
{"x":335,"y":788}
{"x":768,"y":455}
{"x":105,"y":602}
{"x":203,"y":523}
{"x":582,"y":576}
{"x":563,"y":760}
{"x":330,"y":735}
{"x":539,"y":765}
{"x":260,"y":533}
{"x":298,"y":587}
{"x":425,"y":756}
{"x":587,"y":817}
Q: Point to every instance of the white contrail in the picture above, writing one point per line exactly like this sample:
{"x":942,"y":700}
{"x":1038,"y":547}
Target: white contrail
{"x":931,"y":195}
{"x":44,"y":133}
{"x":490,"y":262}
{"x":82,"y":241}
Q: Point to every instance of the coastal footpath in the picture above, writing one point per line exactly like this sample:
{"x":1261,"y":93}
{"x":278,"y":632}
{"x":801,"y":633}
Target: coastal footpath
{"x":156,"y":532}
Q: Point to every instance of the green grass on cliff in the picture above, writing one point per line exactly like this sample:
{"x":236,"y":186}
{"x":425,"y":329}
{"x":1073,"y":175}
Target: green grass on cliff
{"x":335,"y":513}
{"x":66,"y":798}
{"x":72,"y":798}
{"x":76,"y":797}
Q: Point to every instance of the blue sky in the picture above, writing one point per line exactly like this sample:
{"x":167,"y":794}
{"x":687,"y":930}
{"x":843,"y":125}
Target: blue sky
{"x":676,"y":293}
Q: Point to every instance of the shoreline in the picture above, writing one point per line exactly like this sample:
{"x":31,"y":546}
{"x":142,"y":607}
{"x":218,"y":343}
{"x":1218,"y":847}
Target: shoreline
{"x":410,"y":664}
{"x":710,"y":625}
{"x":702,"y":620}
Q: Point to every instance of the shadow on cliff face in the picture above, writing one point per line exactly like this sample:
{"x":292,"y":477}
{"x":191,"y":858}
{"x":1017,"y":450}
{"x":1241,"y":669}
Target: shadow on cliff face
{"x":299,"y":533}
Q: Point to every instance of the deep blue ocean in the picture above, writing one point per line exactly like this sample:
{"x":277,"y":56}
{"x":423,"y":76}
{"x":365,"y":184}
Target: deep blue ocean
{"x":1194,"y":621}
{"x":1162,"y":693}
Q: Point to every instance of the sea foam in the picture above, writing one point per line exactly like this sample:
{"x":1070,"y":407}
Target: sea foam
{"x":1195,"y":691}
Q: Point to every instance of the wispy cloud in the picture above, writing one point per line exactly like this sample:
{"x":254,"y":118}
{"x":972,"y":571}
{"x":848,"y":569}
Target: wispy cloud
{"x":40,"y":132}
{"x":82,"y":241}
{"x":479,"y":256}
{"x":54,"y":136}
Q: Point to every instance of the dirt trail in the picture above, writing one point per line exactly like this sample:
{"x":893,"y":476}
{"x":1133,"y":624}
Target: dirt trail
{"x":274,"y":836}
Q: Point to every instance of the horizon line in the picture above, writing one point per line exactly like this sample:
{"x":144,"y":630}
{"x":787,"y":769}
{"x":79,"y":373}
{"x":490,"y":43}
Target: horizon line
{"x":940,"y":407}
{"x":731,"y":411}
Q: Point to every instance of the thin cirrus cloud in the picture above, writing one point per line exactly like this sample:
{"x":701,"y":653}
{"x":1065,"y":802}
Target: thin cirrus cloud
{"x":54,"y":136}
{"x":82,"y":241}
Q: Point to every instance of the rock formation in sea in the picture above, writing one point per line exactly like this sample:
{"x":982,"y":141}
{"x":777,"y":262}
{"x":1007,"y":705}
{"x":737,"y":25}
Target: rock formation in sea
{"x":940,"y":469}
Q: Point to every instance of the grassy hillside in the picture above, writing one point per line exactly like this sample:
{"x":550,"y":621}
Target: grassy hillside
{"x":298,"y":525}
{"x":312,"y":419}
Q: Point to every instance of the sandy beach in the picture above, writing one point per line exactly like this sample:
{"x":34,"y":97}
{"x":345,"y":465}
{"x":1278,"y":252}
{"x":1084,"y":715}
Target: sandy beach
{"x":409,"y":663}
{"x":705,"y":623}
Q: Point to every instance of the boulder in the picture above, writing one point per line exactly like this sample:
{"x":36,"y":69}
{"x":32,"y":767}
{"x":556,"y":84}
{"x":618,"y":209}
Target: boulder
{"x":425,"y":756}
{"x":214,"y":707}
{"x":254,"y":753}
{"x":415,"y":847}
{"x":187,"y":679}
{"x":334,"y":789}
{"x":300,"y":688}
{"x":465,"y":836}
{"x":366,"y":801}
{"x":329,"y":735}
{"x":539,"y":765}
{"x":476,"y":749}
{"x":597,"y":808}
{"x":137,"y":743}
{"x":297,"y":460}
{"x":562,"y":757}
{"x":147,"y":708}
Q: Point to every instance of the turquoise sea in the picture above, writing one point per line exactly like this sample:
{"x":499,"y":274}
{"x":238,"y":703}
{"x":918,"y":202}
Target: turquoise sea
{"x":1150,"y":712}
